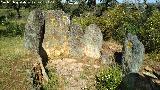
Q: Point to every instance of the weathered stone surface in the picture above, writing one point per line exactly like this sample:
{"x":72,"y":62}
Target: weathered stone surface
{"x":133,"y":54}
{"x":75,"y":41}
{"x":157,"y":71}
{"x":92,"y":40}
{"x":148,"y":69}
{"x":148,"y":74}
{"x":135,"y":81}
{"x":56,"y":33}
{"x":34,"y":30}
{"x":33,"y":39}
{"x":60,"y":38}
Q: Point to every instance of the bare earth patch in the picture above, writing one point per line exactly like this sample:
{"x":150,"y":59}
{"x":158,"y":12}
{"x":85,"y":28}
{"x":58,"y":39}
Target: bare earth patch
{"x":73,"y":73}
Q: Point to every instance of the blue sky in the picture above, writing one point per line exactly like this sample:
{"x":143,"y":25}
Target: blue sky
{"x":150,"y":1}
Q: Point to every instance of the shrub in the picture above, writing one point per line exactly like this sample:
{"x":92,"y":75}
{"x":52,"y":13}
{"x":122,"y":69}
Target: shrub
{"x":150,"y":32}
{"x":117,"y":21}
{"x":109,"y":78}
{"x":14,"y":29}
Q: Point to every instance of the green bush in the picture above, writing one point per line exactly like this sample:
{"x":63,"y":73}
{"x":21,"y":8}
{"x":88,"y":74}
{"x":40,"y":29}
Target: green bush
{"x":116,"y":22}
{"x":13,"y":29}
{"x":150,"y":32}
{"x":109,"y":78}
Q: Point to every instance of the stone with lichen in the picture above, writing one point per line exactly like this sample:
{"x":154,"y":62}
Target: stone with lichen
{"x":92,"y":40}
{"x":34,"y":30}
{"x":75,"y":41}
{"x":133,"y":54}
{"x":56,"y":33}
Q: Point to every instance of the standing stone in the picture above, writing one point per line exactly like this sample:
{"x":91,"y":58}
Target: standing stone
{"x":34,"y":30}
{"x":135,"y":81}
{"x":56,"y":33}
{"x":133,"y":54}
{"x":92,"y":41}
{"x":33,"y":39}
{"x":75,"y":41}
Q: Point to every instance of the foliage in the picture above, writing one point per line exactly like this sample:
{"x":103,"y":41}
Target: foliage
{"x":108,"y":22}
{"x":9,"y":26}
{"x":53,"y":82}
{"x":109,"y":78}
{"x":150,"y":33}
{"x":13,"y":55}
{"x":116,"y":22}
{"x":13,"y":29}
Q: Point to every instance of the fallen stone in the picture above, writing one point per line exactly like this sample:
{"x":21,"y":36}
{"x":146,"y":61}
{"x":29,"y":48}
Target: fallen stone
{"x":156,"y":81}
{"x":148,"y":69}
{"x":156,"y":84}
{"x":157,"y":71}
{"x":148,"y":74}
{"x":134,"y":81}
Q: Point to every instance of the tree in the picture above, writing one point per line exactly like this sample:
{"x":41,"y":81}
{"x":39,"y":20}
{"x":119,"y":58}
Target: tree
{"x":15,"y":5}
{"x":58,"y":5}
{"x":91,"y":3}
{"x":108,"y":2}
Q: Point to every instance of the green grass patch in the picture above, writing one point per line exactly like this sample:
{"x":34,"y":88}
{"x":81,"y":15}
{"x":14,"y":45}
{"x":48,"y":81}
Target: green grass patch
{"x":13,"y":66}
{"x":11,"y":48}
{"x":109,"y":78}
{"x":53,"y":80}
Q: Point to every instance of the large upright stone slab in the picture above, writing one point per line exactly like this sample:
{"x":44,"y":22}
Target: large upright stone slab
{"x":56,"y":33}
{"x":92,"y":40}
{"x":133,"y":54}
{"x":33,"y":39}
{"x":75,"y":41}
{"x":34,"y":30}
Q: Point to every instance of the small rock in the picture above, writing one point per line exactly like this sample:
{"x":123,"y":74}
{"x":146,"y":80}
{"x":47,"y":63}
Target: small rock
{"x":157,"y":72}
{"x":156,"y":84}
{"x":148,"y":74}
{"x":148,"y":69}
{"x":96,"y":66}
{"x":156,"y":81}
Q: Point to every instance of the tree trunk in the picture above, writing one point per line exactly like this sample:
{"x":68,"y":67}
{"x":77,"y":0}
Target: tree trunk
{"x":17,"y":9}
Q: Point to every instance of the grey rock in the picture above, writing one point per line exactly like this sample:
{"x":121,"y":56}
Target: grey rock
{"x":75,"y":41}
{"x":133,"y":54}
{"x":92,"y":40}
{"x":33,"y":39}
{"x":56,"y":33}
{"x":157,"y":71}
{"x":134,"y":81}
{"x":148,"y":74}
{"x":105,"y":58}
{"x":34,"y":30}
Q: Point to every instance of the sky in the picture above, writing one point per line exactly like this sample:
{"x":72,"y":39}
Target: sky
{"x":150,"y":1}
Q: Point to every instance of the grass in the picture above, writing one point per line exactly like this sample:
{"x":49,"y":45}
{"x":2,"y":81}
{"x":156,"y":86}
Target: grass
{"x":13,"y":75}
{"x":53,"y":82}
{"x":15,"y":66}
{"x":109,"y":78}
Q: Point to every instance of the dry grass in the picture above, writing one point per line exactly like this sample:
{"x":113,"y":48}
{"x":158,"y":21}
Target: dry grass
{"x":13,"y":64}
